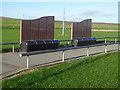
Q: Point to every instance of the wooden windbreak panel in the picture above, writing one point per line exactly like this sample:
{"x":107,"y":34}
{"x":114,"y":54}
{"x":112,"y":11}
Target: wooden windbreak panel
{"x":20,"y":31}
{"x":35,"y":30}
{"x":43,"y":29}
{"x":81,"y":29}
{"x":89,"y":27}
{"x":84,"y":28}
{"x":38,"y":29}
{"x":74,"y":30}
{"x":50,"y":28}
{"x":26,"y":30}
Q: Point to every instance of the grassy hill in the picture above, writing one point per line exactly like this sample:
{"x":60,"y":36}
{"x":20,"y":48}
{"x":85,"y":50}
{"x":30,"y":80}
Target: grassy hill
{"x":93,"y":72}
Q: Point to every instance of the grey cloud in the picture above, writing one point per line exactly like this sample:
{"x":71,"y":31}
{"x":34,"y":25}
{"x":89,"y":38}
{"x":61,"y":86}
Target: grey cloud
{"x":91,"y":13}
{"x":108,"y":15}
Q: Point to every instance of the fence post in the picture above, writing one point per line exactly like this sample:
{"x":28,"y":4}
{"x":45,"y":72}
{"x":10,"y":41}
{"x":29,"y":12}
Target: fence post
{"x":63,"y":56}
{"x":87,"y":51}
{"x":105,"y":40}
{"x":68,"y":43}
{"x":105,"y":48}
{"x":28,"y":59}
{"x":118,"y":46}
{"x":13,"y":48}
{"x":115,"y":40}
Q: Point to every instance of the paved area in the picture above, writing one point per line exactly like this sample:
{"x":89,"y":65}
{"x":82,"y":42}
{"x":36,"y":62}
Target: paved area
{"x":13,"y":62}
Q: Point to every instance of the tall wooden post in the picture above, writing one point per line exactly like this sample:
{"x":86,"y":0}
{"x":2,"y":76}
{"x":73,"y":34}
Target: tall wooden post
{"x":20,"y":31}
{"x":71,"y":31}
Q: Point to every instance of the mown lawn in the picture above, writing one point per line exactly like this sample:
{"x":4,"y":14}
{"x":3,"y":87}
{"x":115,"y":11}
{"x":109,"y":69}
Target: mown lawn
{"x":93,"y":72}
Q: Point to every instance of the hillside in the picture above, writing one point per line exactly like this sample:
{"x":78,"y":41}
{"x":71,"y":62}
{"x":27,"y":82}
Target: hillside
{"x":61,"y":21}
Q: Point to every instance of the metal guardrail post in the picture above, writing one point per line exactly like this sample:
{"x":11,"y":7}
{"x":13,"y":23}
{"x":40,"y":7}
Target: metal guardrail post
{"x":105,"y":40}
{"x":87,"y":51}
{"x":115,"y":40}
{"x":63,"y":56}
{"x":13,"y":48}
{"x":118,"y":47}
{"x":105,"y":48}
{"x":28,"y":60}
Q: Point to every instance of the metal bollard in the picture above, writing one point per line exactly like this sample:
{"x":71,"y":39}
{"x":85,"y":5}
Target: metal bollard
{"x":105,"y":40}
{"x":63,"y":58}
{"x":105,"y":48}
{"x":13,"y":48}
{"x":87,"y":51}
{"x":28,"y":59}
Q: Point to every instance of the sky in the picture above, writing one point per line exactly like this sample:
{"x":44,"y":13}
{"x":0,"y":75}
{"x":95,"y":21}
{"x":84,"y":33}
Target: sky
{"x":74,"y":11}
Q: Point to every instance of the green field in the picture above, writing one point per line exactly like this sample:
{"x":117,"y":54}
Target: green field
{"x":11,"y":33}
{"x":93,"y":72}
{"x":98,"y":26}
{"x":105,"y":26}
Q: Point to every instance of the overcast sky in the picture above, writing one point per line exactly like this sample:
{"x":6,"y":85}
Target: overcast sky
{"x":74,"y":11}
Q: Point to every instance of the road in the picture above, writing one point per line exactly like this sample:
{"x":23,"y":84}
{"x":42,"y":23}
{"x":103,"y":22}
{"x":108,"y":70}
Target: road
{"x":12,"y":63}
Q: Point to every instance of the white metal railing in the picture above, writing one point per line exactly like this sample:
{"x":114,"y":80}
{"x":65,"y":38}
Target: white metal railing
{"x":13,"y":48}
{"x":115,"y":39}
{"x":65,"y":49}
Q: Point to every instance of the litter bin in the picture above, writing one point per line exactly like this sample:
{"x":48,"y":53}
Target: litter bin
{"x":74,"y":42}
{"x":27,"y":46}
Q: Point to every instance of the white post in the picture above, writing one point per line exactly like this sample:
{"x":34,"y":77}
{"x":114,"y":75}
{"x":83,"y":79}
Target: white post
{"x":115,"y":40}
{"x":68,"y":44}
{"x":13,"y":48}
{"x":105,"y":40}
{"x":118,"y":47}
{"x":105,"y":48}
{"x":87,"y":51}
{"x":28,"y":59}
{"x":63,"y":20}
{"x":63,"y":58}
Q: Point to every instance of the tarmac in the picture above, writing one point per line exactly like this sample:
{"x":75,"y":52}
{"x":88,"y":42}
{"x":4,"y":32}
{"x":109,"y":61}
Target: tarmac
{"x":12,"y":62}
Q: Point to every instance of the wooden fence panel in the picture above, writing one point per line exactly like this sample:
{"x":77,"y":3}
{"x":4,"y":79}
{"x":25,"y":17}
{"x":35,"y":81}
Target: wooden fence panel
{"x":50,"y":26}
{"x":81,"y":29}
{"x":43,"y":29}
{"x":26,"y":30}
{"x":38,"y":29}
{"x":34,"y":30}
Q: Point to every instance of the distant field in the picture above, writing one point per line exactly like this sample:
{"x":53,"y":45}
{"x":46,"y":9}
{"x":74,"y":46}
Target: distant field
{"x":93,"y":72}
{"x":105,"y":26}
{"x":11,"y":32}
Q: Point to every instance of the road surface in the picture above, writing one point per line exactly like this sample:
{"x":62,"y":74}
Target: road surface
{"x":12,"y":63}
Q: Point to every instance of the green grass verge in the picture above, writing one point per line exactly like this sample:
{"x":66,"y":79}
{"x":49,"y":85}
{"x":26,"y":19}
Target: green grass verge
{"x":93,"y":72}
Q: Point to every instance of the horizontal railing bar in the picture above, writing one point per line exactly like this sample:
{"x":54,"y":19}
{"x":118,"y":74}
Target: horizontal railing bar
{"x":8,"y":43}
{"x":63,"y":49}
{"x":106,"y":37}
{"x":64,"y":40}
{"x":92,"y":37}
{"x":58,"y":40}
